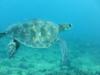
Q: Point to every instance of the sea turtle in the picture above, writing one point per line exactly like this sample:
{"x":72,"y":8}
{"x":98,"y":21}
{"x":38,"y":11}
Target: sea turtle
{"x":35,"y":33}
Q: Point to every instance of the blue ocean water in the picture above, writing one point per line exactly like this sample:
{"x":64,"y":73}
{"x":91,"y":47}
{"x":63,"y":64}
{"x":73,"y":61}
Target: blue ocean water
{"x":83,"y":46}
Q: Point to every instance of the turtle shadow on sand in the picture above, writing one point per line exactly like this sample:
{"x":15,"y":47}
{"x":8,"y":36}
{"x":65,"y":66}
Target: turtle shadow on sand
{"x":36,"y":34}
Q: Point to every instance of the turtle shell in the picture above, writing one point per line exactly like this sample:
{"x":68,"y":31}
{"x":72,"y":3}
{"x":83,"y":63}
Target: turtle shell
{"x":36,"y":33}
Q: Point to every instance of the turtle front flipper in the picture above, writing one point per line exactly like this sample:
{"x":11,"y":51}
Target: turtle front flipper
{"x":13,"y":46}
{"x":64,"y":52}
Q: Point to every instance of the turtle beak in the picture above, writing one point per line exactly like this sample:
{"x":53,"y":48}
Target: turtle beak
{"x":63,"y":27}
{"x":68,"y":26}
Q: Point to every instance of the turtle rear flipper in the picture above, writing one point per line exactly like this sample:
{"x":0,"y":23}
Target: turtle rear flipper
{"x":2,"y":34}
{"x":13,"y":46}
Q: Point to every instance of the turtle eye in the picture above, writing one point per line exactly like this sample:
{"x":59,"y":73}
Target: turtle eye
{"x":70,"y":25}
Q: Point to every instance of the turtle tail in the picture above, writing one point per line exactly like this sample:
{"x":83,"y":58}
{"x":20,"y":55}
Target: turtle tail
{"x":2,"y":34}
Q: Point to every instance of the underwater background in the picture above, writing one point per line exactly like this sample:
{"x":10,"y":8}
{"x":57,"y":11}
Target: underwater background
{"x":83,"y":39}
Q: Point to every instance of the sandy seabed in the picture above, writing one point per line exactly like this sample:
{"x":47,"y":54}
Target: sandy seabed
{"x":29,"y":61}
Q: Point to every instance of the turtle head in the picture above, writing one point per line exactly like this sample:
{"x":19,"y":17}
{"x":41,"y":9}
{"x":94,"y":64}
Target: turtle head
{"x":63,"y":27}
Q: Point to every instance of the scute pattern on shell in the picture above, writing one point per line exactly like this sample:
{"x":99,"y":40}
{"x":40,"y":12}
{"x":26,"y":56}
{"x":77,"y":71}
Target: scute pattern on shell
{"x":36,"y":33}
